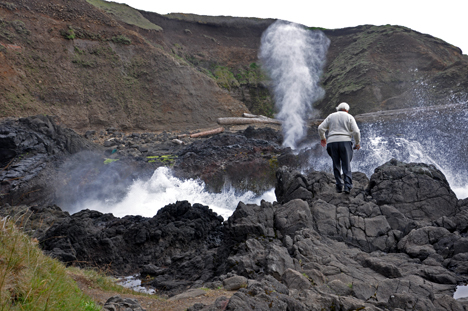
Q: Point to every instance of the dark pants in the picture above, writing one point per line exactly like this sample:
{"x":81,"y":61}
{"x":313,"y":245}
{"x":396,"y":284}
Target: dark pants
{"x":341,"y":153}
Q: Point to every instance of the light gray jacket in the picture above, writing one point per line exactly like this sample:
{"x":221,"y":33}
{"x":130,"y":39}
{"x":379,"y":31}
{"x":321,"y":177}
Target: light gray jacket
{"x":341,"y":126}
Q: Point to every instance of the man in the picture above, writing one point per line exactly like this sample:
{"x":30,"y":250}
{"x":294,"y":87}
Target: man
{"x":341,"y":127}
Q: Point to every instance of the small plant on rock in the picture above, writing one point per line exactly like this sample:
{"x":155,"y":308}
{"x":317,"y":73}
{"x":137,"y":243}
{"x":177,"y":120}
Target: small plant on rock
{"x":68,"y":34}
{"x":121,"y":39}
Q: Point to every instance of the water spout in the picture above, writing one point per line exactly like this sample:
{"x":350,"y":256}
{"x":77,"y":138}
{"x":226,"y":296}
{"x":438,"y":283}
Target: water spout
{"x":294,"y":58}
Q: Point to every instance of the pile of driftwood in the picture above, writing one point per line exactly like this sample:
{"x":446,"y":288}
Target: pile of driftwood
{"x":246,"y":118}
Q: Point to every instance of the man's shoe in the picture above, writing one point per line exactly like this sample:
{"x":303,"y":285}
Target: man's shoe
{"x":347,"y":191}
{"x":339,"y":190}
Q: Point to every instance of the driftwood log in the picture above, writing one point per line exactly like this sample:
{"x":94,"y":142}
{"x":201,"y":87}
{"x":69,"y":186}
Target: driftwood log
{"x":240,"y":121}
{"x":208,"y":133}
{"x":249,"y":115}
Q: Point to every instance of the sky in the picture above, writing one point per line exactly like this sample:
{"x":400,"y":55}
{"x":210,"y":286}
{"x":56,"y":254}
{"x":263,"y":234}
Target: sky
{"x":445,"y":20}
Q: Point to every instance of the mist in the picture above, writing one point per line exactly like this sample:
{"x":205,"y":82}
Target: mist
{"x":294,"y":58}
{"x":128,"y":188}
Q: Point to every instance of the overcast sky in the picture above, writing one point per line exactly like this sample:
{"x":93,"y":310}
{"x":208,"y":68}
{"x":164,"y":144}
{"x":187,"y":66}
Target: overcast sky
{"x":442,"y":19}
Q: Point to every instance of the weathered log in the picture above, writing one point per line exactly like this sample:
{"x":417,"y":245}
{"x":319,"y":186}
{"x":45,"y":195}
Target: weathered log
{"x":178,"y":141}
{"x":240,"y":121}
{"x":208,"y":133}
{"x":249,"y":115}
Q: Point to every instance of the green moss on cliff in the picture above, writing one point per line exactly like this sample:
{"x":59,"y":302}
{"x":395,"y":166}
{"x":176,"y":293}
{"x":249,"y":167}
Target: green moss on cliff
{"x":125,"y":13}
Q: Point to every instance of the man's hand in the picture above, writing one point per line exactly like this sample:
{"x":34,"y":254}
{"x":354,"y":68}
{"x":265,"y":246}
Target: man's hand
{"x":357,"y":147}
{"x":323,"y":142}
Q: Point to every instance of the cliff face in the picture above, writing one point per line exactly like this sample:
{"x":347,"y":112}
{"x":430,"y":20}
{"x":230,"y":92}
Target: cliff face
{"x":391,"y":67}
{"x":70,"y":59}
{"x":118,"y":67}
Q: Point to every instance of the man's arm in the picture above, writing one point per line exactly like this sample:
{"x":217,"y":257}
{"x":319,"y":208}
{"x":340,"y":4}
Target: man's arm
{"x":356,"y":133}
{"x":322,"y":128}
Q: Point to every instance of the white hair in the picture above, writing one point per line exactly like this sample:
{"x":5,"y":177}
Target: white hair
{"x":342,"y":106}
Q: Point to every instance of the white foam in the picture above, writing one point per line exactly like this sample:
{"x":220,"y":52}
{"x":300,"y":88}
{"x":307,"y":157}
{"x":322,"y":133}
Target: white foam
{"x":461,"y":192}
{"x":145,"y":198}
{"x":378,"y":150}
{"x":132,"y":282}
{"x":461,"y":292}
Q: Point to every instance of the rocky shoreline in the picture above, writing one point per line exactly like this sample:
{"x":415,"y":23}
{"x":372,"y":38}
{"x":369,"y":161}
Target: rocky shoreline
{"x":397,"y":242}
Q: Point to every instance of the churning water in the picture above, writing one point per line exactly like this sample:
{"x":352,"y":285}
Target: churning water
{"x":146,"y":197}
{"x":439,"y":140}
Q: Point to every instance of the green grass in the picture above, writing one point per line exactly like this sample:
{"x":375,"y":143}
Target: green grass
{"x":125,"y":13}
{"x":167,"y":160}
{"x":108,"y":161}
{"x":29,"y":280}
{"x":121,"y":39}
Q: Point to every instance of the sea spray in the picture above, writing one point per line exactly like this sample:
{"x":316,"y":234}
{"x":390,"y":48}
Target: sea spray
{"x":146,"y":197}
{"x":294,"y":57}
{"x":430,"y":140}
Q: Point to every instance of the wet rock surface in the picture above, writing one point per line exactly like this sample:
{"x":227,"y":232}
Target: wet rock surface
{"x":30,"y":151}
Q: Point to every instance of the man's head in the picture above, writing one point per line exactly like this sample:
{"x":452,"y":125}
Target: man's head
{"x":343,"y":107}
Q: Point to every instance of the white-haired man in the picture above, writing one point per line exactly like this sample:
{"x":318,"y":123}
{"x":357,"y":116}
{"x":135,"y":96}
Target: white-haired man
{"x":341,"y":128}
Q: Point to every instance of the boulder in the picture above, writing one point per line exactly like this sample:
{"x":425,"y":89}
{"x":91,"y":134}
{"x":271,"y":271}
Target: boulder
{"x":117,"y":303}
{"x":419,"y":191}
{"x":295,"y":280}
{"x":250,"y":220}
{"x":180,"y":237}
{"x":235,"y":282}
{"x":247,"y":163}
{"x":29,"y":151}
{"x":292,"y":216}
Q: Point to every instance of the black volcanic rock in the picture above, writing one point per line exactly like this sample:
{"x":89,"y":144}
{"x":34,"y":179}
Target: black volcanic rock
{"x":419,"y":191}
{"x":346,"y":251}
{"x":177,"y":244}
{"x":231,"y":159}
{"x":30,"y":151}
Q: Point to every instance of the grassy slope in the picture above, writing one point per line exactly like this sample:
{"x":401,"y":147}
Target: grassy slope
{"x":30,"y":280}
{"x":125,"y":13}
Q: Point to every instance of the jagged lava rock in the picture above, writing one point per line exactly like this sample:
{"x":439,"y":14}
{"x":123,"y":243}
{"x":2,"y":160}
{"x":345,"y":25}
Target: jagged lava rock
{"x":419,"y":191}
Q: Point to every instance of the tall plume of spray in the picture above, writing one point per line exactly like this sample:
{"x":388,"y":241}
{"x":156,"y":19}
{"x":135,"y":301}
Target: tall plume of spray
{"x":294,"y":58}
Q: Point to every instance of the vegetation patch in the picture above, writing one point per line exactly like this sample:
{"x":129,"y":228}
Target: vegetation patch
{"x":29,"y":280}
{"x":225,"y":78}
{"x":69,"y":33}
{"x":317,"y":28}
{"x":125,"y":13}
{"x":83,"y":62}
{"x":167,"y":160}
{"x":8,"y":5}
{"x":108,"y":161}
{"x":121,"y":39}
{"x":20,"y":27}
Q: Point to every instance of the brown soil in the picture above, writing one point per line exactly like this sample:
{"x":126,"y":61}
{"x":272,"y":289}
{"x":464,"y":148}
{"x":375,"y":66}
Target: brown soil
{"x":150,"y":302}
